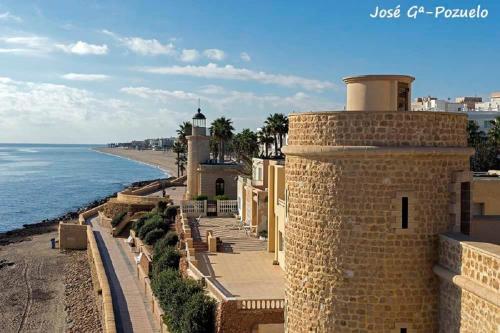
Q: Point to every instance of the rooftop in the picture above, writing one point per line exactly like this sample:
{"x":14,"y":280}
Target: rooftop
{"x":245,"y":269}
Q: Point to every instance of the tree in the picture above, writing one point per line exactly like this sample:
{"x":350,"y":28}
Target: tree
{"x":265,"y":138}
{"x":277,"y":124}
{"x":245,"y":145}
{"x":475,"y":136}
{"x":222,"y":131}
{"x":485,"y":147}
{"x":180,"y":160}
{"x":185,"y":129}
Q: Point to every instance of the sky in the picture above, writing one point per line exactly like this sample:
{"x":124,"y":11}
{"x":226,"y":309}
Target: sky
{"x":114,"y":71}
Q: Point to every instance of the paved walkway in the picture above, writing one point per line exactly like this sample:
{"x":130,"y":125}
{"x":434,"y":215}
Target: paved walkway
{"x":132,"y":310}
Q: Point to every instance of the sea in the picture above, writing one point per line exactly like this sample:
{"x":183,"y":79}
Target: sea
{"x":40,"y":182}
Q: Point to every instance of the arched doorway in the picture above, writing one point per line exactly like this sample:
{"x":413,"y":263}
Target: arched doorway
{"x":219,"y":186}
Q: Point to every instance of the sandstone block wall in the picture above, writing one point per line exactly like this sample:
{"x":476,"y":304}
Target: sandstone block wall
{"x":467,"y":304}
{"x":351,"y":267}
{"x":231,"y":319}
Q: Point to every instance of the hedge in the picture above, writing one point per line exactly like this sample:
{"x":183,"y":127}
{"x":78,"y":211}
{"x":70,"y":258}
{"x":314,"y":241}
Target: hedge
{"x":187,"y":308}
{"x":154,"y":235}
{"x":200,"y":197}
{"x":168,"y":259}
{"x":154,"y":222}
{"x":221,"y":197}
{"x":198,"y":314}
{"x":170,"y":212}
{"x":118,"y":218}
{"x":161,"y":245}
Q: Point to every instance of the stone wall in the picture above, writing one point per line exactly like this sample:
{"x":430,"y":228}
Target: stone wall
{"x":72,"y":236}
{"x":470,"y":285}
{"x":354,"y":128}
{"x":232,"y":319}
{"x":351,"y":266}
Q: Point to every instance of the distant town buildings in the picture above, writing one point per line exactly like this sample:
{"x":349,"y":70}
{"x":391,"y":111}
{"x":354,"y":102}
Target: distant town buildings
{"x":152,"y":144}
{"x":477,"y":110}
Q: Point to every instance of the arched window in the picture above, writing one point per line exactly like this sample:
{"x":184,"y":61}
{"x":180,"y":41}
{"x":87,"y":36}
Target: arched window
{"x":219,"y":186}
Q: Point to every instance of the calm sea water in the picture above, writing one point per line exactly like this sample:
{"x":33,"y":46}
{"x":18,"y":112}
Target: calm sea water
{"x":45,"y":181}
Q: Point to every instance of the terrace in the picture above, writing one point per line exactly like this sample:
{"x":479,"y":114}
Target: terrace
{"x":238,"y":267}
{"x":242,"y":268}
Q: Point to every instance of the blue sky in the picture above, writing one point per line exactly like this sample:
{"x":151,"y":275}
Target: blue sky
{"x":107,"y":71}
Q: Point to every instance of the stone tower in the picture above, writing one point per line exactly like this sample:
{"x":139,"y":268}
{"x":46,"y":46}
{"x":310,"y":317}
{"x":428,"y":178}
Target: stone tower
{"x":369,"y":190}
{"x":198,"y":152}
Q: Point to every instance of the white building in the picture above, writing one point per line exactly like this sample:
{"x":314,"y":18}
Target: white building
{"x":483,"y":118}
{"x":434,"y":104}
{"x":492,"y":105}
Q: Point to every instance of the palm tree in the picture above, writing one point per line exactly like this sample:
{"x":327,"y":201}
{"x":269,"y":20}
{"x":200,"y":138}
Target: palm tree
{"x":277,"y":124}
{"x":245,"y":145}
{"x":265,"y":138}
{"x":185,"y":129}
{"x":180,"y":149}
{"x":222,"y":130}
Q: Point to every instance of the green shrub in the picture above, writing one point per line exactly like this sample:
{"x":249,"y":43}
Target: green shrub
{"x":161,"y":206}
{"x":221,"y":197}
{"x":198,"y":314}
{"x":170,"y":239}
{"x":154,"y":235}
{"x":200,"y":197}
{"x":138,"y":224}
{"x":186,"y":308}
{"x":170,"y":212}
{"x":168,"y":259}
{"x":263,"y":233}
{"x":174,"y":305}
{"x":154,"y":222}
{"x":118,"y":218}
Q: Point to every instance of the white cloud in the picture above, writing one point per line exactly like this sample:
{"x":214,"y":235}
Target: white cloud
{"x":214,"y":54}
{"x":84,"y":77}
{"x":245,"y":57}
{"x":83,"y":48}
{"x":159,"y":94}
{"x":46,"y":112}
{"x":25,"y":45}
{"x":189,"y":55}
{"x":143,"y":46}
{"x":229,"y":72}
{"x":232,"y":101}
{"x":7,"y":16}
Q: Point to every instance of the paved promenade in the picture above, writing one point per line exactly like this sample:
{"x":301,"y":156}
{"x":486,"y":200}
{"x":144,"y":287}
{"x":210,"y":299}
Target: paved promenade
{"x":132,"y":310}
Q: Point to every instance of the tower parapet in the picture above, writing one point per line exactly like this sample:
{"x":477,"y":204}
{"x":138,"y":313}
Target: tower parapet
{"x":368,"y":193}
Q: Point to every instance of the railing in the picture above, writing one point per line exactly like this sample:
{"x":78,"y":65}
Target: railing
{"x":191,"y":208}
{"x":281,"y":202}
{"x":227,"y":207}
{"x":260,"y":304}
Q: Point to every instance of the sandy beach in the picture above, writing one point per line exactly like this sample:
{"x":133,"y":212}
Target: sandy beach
{"x":42,"y":288}
{"x":160,"y":159}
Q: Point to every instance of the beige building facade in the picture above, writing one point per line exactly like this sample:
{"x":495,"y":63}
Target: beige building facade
{"x":277,"y":212}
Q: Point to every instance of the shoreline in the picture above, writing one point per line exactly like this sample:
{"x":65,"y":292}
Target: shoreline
{"x":163,"y":160}
{"x":98,"y":150}
{"x":50,"y":224}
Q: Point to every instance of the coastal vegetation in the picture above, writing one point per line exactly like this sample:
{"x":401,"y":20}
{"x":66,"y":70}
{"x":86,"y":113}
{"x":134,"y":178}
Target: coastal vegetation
{"x":486,"y":145}
{"x":118,"y":218}
{"x":187,"y":308}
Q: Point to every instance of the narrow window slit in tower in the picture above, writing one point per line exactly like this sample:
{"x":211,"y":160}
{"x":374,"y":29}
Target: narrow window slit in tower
{"x":403,"y":330}
{"x":404,"y":212}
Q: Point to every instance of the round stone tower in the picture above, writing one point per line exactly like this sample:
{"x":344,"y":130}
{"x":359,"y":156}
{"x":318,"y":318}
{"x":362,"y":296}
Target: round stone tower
{"x":369,"y":190}
{"x":198,"y":152}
